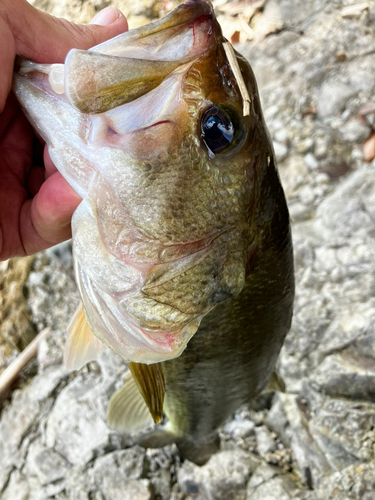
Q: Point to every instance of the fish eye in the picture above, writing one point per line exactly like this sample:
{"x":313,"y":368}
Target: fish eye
{"x":217,"y":130}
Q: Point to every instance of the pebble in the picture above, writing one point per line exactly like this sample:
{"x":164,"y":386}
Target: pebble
{"x":305,"y":145}
{"x":224,"y":476}
{"x":310,"y":161}
{"x":265,"y":441}
{"x":306,"y":195}
{"x":354,"y":131}
{"x":282,"y":135}
{"x":239,"y":428}
{"x":299,"y":212}
{"x":281,"y":151}
{"x":333,"y":97}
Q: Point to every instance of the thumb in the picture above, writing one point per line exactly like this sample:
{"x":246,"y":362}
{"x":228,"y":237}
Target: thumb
{"x":35,"y":35}
{"x":47,"y":39}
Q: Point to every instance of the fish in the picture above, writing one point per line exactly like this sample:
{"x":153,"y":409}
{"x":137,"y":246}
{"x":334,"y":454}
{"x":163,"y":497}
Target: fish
{"x":182,"y":243}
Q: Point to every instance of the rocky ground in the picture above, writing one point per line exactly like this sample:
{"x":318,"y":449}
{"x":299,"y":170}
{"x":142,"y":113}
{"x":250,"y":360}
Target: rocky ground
{"x":314,"y":61}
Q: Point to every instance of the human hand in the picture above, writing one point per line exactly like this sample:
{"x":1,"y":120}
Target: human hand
{"x":36,"y":203}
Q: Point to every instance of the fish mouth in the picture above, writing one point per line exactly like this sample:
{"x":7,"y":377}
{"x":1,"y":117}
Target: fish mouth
{"x":132,"y":69}
{"x":138,"y":60}
{"x":132,"y":64}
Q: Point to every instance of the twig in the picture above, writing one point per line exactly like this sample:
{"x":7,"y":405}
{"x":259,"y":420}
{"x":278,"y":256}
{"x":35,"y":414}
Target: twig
{"x":229,"y":51}
{"x":11,"y":372}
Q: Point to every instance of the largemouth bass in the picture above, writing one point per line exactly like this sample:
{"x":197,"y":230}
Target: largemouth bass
{"x":182,"y":245}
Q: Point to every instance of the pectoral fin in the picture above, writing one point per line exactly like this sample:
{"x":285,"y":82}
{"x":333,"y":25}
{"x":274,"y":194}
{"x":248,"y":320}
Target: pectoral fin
{"x":95,"y":83}
{"x":150,"y":382}
{"x":140,"y":401}
{"x":81,"y":346}
{"x":275,"y":383}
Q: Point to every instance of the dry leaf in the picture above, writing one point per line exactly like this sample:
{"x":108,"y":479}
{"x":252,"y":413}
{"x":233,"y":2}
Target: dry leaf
{"x":246,"y":7}
{"x":309,"y":111}
{"x":335,"y":170}
{"x":235,"y":29}
{"x":235,"y":38}
{"x":369,"y":148}
{"x":367,"y":108}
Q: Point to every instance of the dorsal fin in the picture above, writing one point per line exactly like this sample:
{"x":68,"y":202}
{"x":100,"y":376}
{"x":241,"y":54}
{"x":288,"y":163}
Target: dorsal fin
{"x":127,"y":410}
{"x":81,"y":346}
{"x":150,"y":382}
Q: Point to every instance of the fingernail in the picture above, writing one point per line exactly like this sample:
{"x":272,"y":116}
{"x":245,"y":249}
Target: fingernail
{"x":106,"y":16}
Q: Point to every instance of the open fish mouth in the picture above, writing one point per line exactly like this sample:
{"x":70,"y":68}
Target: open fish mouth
{"x":130,"y":65}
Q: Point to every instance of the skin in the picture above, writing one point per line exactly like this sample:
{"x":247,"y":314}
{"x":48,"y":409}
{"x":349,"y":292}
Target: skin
{"x":36,"y":203}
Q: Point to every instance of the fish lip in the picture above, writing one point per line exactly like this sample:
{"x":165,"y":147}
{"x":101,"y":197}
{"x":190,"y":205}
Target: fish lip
{"x":184,"y":15}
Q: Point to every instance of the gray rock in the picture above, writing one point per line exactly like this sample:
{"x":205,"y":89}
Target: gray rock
{"x":333,"y":97}
{"x":277,"y":420}
{"x":354,"y":131}
{"x":305,"y":145}
{"x":353,"y":483}
{"x":46,"y":464}
{"x":350,"y":210}
{"x":306,"y":195}
{"x":274,"y":488}
{"x":281,"y":151}
{"x":77,"y":426}
{"x":16,"y":423}
{"x":161,"y":483}
{"x":224,"y":476}
{"x":118,"y":475}
{"x":17,"y":488}
{"x":343,"y":375}
{"x":322,"y":145}
{"x":292,"y":14}
{"x":312,"y":463}
{"x":358,"y":70}
{"x":239,"y":428}
{"x":311,"y":162}
{"x":281,"y":134}
{"x":130,"y":490}
{"x":265,"y":441}
{"x":299,"y":212}
{"x":269,"y":483}
{"x":119,"y":465}
{"x":344,"y":431}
